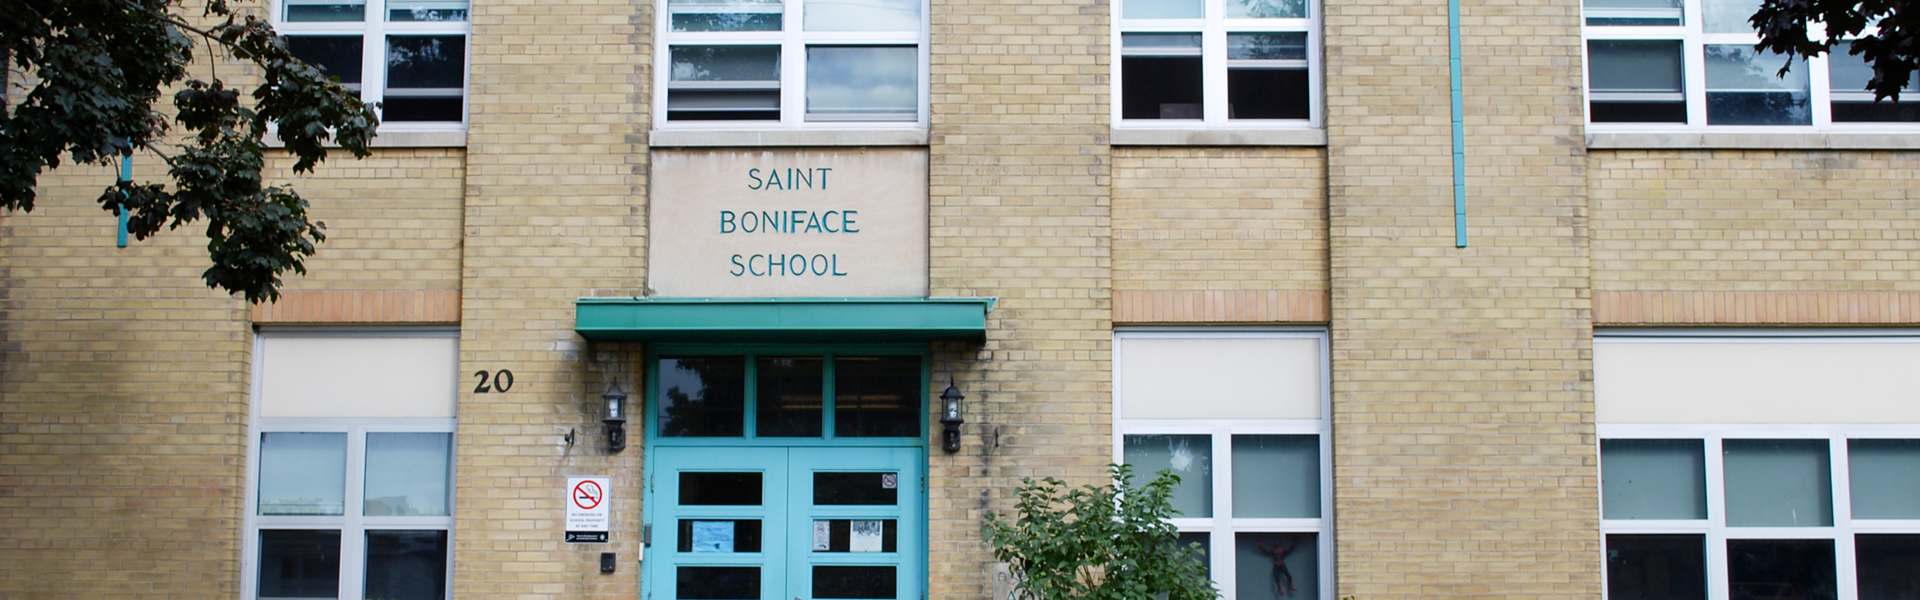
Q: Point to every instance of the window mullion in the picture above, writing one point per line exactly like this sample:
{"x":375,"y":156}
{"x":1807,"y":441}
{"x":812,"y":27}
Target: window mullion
{"x":1819,"y":92}
{"x":1694,"y":62}
{"x":1223,"y":526}
{"x":353,"y":535}
{"x":827,"y":381}
{"x":793,"y":65}
{"x":1213,"y":72}
{"x":1839,"y":467}
{"x":1717,"y":586}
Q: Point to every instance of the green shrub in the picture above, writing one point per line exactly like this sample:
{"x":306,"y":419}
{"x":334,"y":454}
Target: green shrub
{"x":1110,"y":542}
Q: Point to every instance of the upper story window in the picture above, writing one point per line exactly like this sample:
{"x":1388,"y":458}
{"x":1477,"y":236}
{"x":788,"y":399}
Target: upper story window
{"x":1217,"y":63}
{"x":408,"y":55}
{"x":1688,"y":64}
{"x":824,"y":64}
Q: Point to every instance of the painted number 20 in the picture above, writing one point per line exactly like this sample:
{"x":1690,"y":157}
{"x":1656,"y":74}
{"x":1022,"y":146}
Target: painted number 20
{"x":500,"y":381}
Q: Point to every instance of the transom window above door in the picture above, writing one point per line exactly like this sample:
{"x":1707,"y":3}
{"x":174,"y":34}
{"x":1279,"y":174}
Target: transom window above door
{"x":757,"y":64}
{"x":788,"y":395}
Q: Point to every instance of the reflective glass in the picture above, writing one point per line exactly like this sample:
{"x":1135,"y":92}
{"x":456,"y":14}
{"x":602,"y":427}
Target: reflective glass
{"x":1885,"y":475}
{"x":1276,"y":566}
{"x":427,"y":10}
{"x":719,"y":489}
{"x":1160,"y":9}
{"x":1152,"y":43}
{"x":406,"y":565}
{"x":1161,"y":87}
{"x":1624,"y":13}
{"x":299,"y":563}
{"x":863,"y":15}
{"x":1188,"y":456}
{"x":702,"y":396}
{"x":1635,"y":81}
{"x":877,"y":396}
{"x":708,"y":536}
{"x":1266,"y":46}
{"x":1849,"y":75}
{"x":1266,"y":9}
{"x":717,"y":583}
{"x":1653,"y":479}
{"x":1781,"y":569}
{"x":725,"y":63}
{"x":856,"y":535}
{"x":303,"y":473}
{"x":1657,"y":567}
{"x":1743,"y":88}
{"x":1728,"y":16}
{"x":862,"y":83}
{"x":426,"y":78}
{"x":725,"y":15}
{"x":862,"y":489}
{"x":855,"y":582}
{"x":1885,"y":566}
{"x":1778,"y":483}
{"x":326,"y":10}
{"x":1276,"y":476}
{"x":789,"y":392}
{"x":408,"y":473}
{"x":336,"y":55}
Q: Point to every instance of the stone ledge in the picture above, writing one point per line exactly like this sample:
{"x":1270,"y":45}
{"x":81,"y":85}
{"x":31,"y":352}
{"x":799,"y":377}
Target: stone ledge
{"x":1218,"y":137}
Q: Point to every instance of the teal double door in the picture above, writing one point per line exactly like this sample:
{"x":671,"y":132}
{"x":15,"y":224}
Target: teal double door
{"x":786,"y":523}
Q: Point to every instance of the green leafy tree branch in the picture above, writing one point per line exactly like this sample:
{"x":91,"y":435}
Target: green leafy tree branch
{"x":83,"y":78}
{"x":1108,"y":542}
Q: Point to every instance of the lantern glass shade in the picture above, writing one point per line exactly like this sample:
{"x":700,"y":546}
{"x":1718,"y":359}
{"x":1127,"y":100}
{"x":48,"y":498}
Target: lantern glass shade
{"x":950,"y":403}
{"x":616,"y":403}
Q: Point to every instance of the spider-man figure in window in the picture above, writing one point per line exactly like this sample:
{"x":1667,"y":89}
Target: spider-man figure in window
{"x":1282,"y":579}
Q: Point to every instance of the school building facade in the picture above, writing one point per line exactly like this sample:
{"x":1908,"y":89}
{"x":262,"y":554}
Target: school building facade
{"x":743,"y":299}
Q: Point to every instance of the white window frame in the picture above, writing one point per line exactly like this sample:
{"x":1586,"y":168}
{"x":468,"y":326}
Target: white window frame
{"x":374,"y":31}
{"x":1222,"y":527}
{"x":1693,"y":40}
{"x":793,"y":42}
{"x":1213,"y":28}
{"x":351,"y":523}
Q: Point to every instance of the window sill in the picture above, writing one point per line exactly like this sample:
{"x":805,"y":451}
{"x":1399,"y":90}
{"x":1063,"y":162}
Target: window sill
{"x":1755,"y":141}
{"x":1219,"y":137}
{"x":398,"y":139}
{"x":693,"y":138}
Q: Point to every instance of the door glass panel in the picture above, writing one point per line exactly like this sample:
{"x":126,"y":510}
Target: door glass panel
{"x":856,"y":535}
{"x":717,"y":583}
{"x":299,"y":564}
{"x":1276,"y":476}
{"x":855,"y":582}
{"x":1778,"y":483}
{"x":789,"y":394}
{"x":1886,"y":478}
{"x":1657,"y":567}
{"x":1189,"y":456}
{"x":876,"y":396}
{"x":719,"y":489}
{"x":1781,"y":569}
{"x":702,"y":396}
{"x":1885,"y":566}
{"x":303,"y":473}
{"x":1653,"y":479}
{"x":868,"y":489}
{"x":1273,"y":566}
{"x":406,"y":565}
{"x":737,"y":535}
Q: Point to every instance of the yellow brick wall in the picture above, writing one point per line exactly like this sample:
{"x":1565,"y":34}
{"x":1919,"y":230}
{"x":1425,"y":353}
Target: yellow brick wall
{"x":1463,"y":438}
{"x":123,"y":405}
{"x":393,"y":219}
{"x":1019,"y":174}
{"x":1219,"y":219}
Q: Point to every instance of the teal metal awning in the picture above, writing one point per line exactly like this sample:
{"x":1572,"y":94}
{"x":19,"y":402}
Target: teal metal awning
{"x":781,"y":319}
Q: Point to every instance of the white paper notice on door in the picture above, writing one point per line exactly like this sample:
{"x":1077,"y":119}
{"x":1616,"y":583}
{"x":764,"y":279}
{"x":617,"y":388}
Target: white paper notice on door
{"x":713,"y":536}
{"x":822,"y":536}
{"x":865,"y":537}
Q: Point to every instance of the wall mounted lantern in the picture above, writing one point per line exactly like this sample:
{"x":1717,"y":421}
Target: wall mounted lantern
{"x":616,"y":401}
{"x":950,"y":417}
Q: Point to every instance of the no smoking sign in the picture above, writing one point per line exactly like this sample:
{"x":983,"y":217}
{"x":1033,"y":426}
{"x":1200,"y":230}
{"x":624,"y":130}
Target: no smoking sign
{"x":588,"y":512}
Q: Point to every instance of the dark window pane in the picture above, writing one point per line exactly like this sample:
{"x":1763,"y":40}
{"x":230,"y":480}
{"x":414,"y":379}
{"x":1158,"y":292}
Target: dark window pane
{"x":1267,"y":93}
{"x":869,"y":489}
{"x":426,"y":61}
{"x":789,"y":396}
{"x":410,"y":109}
{"x":1276,"y":566}
{"x":1202,"y":539}
{"x":855,"y":582}
{"x":1757,"y":108}
{"x":336,"y":55}
{"x":836,"y":535}
{"x":717,"y":583}
{"x":877,"y":396}
{"x":1159,"y":87}
{"x":1656,"y":567}
{"x":407,"y":565}
{"x":742,"y":535}
{"x":726,"y":22}
{"x":1639,"y":112}
{"x":299,"y":564}
{"x":345,"y":10}
{"x":702,"y":396}
{"x":719,"y":489}
{"x":1887,"y":566}
{"x":1780,"y":569}
{"x":1905,"y":111}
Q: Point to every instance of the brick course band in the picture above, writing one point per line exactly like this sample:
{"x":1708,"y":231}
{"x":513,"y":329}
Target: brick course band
{"x":1756,"y":308}
{"x":1254,"y":306}
{"x":429,"y":306}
